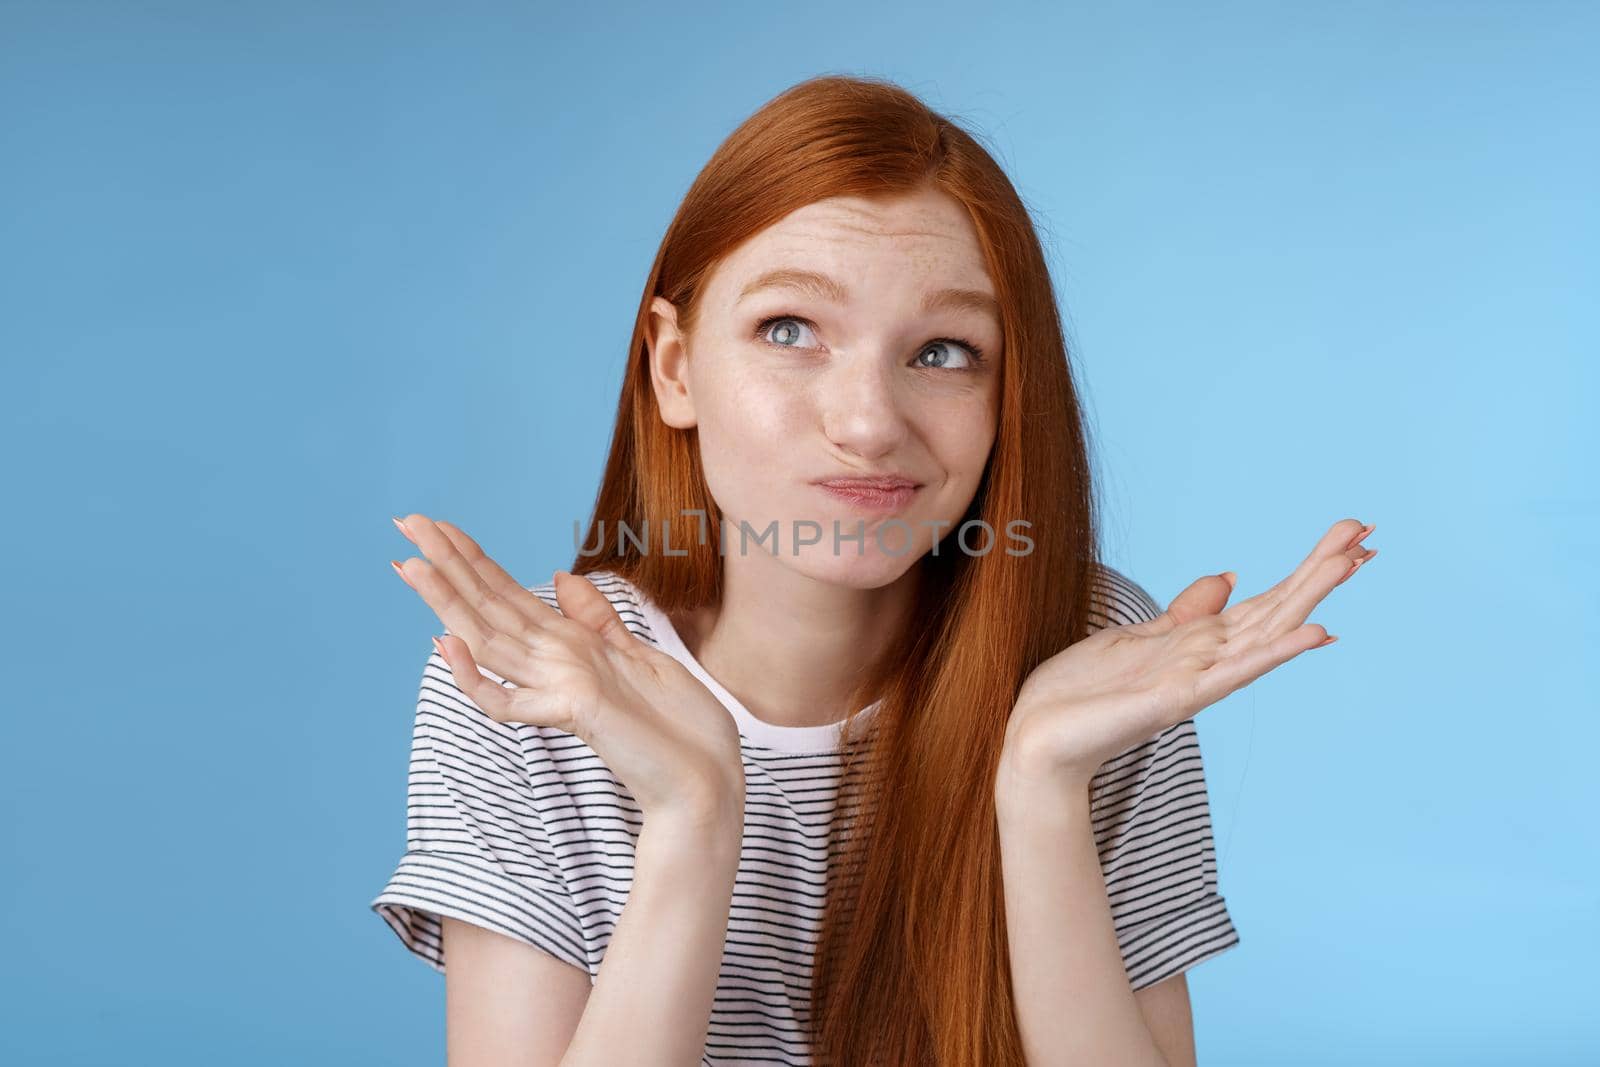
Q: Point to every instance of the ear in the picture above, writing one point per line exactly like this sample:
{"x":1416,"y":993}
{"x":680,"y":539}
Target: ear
{"x":669,"y":365}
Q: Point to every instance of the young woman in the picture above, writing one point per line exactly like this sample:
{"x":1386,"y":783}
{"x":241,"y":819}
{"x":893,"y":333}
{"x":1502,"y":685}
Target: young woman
{"x":837,"y":743}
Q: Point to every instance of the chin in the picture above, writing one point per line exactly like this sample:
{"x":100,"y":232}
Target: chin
{"x":872,"y":569}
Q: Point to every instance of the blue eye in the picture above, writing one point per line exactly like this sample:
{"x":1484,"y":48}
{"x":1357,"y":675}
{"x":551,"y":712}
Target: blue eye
{"x":933,"y":346}
{"x":974,"y":353}
{"x":767,"y":324}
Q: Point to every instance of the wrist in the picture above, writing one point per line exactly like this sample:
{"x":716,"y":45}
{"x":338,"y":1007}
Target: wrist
{"x":713,"y":820}
{"x":1028,"y":786}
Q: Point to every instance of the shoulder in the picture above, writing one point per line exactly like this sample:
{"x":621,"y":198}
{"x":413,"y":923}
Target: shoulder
{"x":1118,"y":600}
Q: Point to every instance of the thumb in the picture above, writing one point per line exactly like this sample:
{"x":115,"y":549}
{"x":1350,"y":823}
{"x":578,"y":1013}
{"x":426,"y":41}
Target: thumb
{"x":1203,"y":596}
{"x":583,"y":603}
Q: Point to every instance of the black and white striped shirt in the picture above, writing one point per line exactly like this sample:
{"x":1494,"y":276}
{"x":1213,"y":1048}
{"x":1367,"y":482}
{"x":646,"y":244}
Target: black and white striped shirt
{"x":523,"y":830}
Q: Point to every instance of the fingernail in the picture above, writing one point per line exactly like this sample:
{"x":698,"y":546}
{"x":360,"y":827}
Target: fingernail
{"x":1331,"y":639}
{"x":1231,"y":578}
{"x":398,"y":570}
{"x":402,"y":528}
{"x":438,"y":645}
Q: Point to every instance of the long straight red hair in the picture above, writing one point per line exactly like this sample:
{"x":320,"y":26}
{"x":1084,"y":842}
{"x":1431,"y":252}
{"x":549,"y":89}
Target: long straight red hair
{"x":911,"y":964}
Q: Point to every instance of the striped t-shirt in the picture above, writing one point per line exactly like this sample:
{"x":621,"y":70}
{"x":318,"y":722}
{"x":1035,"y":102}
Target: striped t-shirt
{"x":523,"y":830}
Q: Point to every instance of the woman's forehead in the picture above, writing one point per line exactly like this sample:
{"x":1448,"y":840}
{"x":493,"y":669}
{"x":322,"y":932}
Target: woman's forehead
{"x":932,"y":218}
{"x":823,"y":248}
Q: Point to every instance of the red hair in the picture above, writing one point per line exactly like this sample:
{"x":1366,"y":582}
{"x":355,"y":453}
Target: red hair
{"x":911,"y":964}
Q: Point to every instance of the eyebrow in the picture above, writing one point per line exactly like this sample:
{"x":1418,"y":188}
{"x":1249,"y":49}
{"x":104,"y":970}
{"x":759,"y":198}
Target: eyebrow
{"x":821,"y":287}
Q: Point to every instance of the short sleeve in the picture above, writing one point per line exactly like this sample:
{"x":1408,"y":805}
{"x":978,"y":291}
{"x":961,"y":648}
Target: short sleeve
{"x":476,"y":847}
{"x":1152,"y":827}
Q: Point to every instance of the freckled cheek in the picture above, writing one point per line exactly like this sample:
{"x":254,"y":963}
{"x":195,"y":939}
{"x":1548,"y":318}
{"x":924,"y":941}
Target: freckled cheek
{"x":961,"y":440}
{"x":748,"y":431}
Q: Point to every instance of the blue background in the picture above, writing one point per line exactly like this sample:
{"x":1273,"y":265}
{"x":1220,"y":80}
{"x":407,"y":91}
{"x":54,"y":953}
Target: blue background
{"x":272,"y":273}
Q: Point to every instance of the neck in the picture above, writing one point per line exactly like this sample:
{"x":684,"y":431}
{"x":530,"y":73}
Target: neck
{"x":791,"y":647}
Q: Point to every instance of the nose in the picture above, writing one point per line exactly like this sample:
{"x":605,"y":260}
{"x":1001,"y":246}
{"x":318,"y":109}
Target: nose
{"x":861,"y":408}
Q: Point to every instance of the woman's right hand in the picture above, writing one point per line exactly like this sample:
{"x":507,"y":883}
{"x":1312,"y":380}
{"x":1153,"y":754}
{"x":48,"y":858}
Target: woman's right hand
{"x":580,"y":670}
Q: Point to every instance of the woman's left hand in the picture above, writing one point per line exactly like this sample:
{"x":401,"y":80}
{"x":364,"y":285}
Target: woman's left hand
{"x":1124,"y":684}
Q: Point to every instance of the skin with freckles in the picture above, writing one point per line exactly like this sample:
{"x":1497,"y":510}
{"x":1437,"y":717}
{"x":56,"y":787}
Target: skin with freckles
{"x":859,"y":376}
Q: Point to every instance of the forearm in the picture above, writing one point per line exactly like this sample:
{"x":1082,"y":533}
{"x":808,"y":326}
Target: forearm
{"x":1073,"y":1001}
{"x":652,"y":996}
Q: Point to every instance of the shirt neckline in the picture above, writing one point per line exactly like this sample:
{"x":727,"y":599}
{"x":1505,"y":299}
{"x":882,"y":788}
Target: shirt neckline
{"x":794,"y":740}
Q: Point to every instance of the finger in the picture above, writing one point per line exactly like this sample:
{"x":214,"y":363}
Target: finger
{"x":497,"y":577}
{"x":581,"y":602}
{"x":1342,"y":539}
{"x":1235,"y":672}
{"x":510,"y":657}
{"x":1332,"y":572}
{"x":1371,"y":554}
{"x":1202,"y":597}
{"x":486,"y":603}
{"x":1293,"y":609}
{"x":533,"y":704}
{"x":1331,"y":547}
{"x":489,"y":695}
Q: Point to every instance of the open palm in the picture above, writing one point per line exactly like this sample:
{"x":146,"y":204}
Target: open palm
{"x":580,"y":669}
{"x":1124,"y":684}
